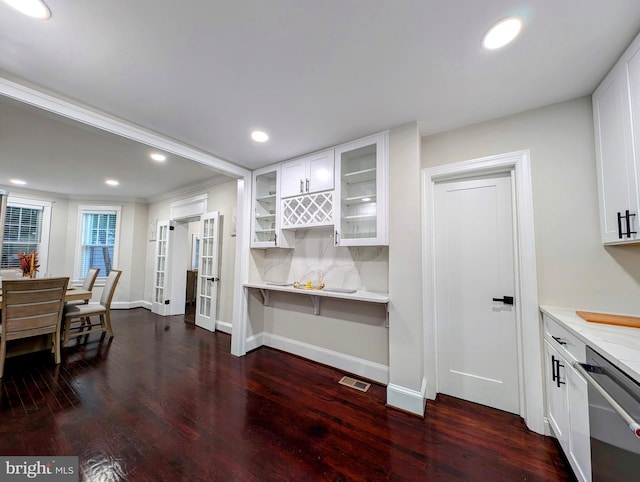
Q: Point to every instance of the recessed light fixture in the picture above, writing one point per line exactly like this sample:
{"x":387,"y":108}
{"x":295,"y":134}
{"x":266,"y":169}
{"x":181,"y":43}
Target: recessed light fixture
{"x":156,"y":156}
{"x":18,"y":182}
{"x":259,"y":136}
{"x":112,"y":182}
{"x":501,"y":33}
{"x":32,"y":8}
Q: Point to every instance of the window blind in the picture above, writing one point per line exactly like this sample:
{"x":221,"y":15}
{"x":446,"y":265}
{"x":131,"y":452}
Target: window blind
{"x":98,"y":240}
{"x":22,"y":232}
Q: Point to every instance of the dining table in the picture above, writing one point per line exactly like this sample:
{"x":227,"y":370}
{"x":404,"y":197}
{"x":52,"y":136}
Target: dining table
{"x":43,"y":342}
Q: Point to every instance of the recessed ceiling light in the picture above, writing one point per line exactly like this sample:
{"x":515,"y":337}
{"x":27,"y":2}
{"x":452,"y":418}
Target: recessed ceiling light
{"x":18,"y":182}
{"x":502,"y":33}
{"x":156,"y":156}
{"x":112,"y":182}
{"x":33,"y":8}
{"x":259,"y":136}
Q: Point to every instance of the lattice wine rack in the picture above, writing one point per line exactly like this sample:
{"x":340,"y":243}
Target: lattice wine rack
{"x":308,"y":210}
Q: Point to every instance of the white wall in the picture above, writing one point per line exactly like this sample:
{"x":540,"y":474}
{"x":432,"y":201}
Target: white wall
{"x":406,"y":363}
{"x":574,"y":269}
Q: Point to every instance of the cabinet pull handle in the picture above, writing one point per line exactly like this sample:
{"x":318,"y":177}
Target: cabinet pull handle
{"x":627,"y":218}
{"x":619,"y":225}
{"x":275,"y":239}
{"x":301,"y":191}
{"x":307,"y":185}
{"x":553,"y":369}
{"x":336,"y":238}
{"x":558,"y":365}
{"x":559,"y":340}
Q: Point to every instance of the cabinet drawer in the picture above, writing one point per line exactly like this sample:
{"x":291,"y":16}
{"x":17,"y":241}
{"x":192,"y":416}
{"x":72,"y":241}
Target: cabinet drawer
{"x":565,"y":342}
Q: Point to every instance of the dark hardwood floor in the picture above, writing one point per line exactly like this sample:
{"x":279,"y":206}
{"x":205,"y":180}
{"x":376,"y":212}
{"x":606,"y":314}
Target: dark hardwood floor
{"x":165,"y":400}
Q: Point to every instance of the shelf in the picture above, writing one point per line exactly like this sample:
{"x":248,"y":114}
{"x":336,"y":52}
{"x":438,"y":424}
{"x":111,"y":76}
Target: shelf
{"x":316,"y":295}
{"x":359,"y":217}
{"x":265,"y":217}
{"x":264,"y":230}
{"x":371,"y":197}
{"x":360,"y":176}
{"x":268,"y":198}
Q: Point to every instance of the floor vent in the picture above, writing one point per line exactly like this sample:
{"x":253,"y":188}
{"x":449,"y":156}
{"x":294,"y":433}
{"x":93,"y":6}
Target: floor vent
{"x":353,"y":383}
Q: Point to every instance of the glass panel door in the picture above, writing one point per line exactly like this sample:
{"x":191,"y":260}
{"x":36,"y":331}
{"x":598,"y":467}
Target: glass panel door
{"x":161,"y":274}
{"x":207,"y":299}
{"x":264,"y":222}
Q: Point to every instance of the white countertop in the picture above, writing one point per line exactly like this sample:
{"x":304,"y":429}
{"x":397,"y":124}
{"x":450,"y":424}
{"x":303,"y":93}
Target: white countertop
{"x":618,"y":344}
{"x":369,"y":296}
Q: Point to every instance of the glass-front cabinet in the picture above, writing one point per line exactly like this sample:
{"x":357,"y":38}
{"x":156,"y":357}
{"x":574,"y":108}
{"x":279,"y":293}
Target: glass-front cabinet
{"x":265,"y":198}
{"x":361,"y":211}
{"x":265,"y":221}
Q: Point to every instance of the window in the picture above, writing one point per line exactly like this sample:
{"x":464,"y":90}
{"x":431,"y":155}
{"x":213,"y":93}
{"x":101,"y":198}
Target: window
{"x":98,"y":239}
{"x":26,"y":229}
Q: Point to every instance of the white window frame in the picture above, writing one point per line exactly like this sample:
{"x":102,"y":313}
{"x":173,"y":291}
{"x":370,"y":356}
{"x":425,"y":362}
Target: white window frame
{"x":90,"y":209}
{"x":45,"y":229}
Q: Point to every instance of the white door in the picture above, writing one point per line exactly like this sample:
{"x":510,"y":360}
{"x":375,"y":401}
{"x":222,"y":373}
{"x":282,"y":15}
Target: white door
{"x":207,"y":294}
{"x":476,"y":335}
{"x":161,"y":269}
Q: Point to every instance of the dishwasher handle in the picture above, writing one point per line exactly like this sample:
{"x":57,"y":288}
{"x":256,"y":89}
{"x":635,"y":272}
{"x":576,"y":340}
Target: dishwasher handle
{"x":584,"y":370}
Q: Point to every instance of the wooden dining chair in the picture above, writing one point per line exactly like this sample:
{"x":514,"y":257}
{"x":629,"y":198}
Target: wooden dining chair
{"x":87,"y":285}
{"x":31,"y":307}
{"x":77,"y":318}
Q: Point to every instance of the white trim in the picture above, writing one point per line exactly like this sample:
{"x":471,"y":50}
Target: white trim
{"x":45,"y":228}
{"x":95,"y":209}
{"x":114,"y":125}
{"x":254,"y":341}
{"x":144,"y":304}
{"x":531,"y":400}
{"x":239,"y":343}
{"x":128,"y":305}
{"x":407,"y":399}
{"x":189,"y":207}
{"x":223,"y":326}
{"x":357,"y":366}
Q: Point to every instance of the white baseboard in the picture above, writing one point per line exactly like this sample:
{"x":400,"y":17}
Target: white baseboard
{"x":254,"y":341}
{"x":407,"y":399}
{"x":223,"y":326}
{"x":358,"y":366}
{"x":129,"y":305}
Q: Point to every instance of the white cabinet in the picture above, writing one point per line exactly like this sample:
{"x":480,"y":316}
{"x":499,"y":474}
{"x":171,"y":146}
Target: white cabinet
{"x":309,"y":174}
{"x":567,"y":397}
{"x":265,"y":221}
{"x":616,"y":113}
{"x":361,"y":195}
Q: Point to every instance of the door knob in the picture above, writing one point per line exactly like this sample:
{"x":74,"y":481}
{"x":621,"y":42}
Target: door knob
{"x":213,"y":279}
{"x":507,"y":300}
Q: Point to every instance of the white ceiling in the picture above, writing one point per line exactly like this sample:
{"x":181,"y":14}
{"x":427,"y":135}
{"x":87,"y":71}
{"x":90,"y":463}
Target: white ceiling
{"x":311,"y":73}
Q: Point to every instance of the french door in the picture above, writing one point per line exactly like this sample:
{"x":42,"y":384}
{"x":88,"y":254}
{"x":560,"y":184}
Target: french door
{"x":161,"y":270}
{"x":207,"y":294}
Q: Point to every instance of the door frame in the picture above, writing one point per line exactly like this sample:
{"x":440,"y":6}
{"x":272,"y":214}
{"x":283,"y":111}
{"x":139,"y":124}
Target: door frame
{"x":526,"y":286}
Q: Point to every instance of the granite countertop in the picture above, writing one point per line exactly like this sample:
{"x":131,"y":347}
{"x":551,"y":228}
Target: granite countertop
{"x":618,"y":344}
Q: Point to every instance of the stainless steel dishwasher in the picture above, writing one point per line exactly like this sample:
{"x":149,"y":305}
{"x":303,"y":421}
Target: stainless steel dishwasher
{"x":614,"y":420}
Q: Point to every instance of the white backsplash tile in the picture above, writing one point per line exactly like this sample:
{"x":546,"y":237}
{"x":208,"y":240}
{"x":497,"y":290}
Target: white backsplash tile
{"x":314,"y":258}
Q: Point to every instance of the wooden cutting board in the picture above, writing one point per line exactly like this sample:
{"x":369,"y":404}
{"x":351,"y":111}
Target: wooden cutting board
{"x":620,"y":320}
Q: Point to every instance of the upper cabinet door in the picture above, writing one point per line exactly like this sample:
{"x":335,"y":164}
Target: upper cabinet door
{"x":361,"y":197}
{"x":616,"y":104}
{"x":313,"y":173}
{"x":294,"y":174}
{"x":265,"y":220}
{"x":321,"y":168}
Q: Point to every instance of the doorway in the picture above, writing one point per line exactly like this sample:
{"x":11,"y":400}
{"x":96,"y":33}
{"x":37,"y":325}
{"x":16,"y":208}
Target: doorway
{"x":475,"y":319}
{"x":528,"y":339}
